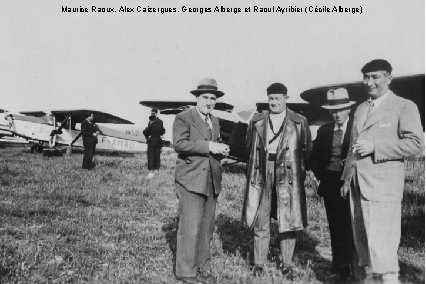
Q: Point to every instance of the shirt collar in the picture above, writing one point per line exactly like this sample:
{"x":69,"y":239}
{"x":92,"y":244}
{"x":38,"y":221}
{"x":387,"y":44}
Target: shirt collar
{"x":278,"y":115}
{"x":203,"y":116}
{"x":380,"y":99}
{"x":343,"y":127}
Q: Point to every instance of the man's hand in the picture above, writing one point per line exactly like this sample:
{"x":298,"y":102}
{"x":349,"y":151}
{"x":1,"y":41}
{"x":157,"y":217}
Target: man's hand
{"x":218,"y":148}
{"x":344,"y":190}
{"x":363,"y":147}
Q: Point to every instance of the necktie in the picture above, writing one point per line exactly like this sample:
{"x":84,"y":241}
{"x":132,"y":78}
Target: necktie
{"x":206,"y":120}
{"x":370,"y":108}
{"x":339,"y":133}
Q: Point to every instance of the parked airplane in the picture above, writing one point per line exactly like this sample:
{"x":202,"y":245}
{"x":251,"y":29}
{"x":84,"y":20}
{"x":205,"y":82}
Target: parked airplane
{"x":234,"y":121}
{"x":62,"y":127}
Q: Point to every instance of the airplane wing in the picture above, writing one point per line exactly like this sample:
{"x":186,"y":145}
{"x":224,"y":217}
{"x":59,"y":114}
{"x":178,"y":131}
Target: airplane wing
{"x":170,"y":106}
{"x":409,"y":87}
{"x":78,"y":115}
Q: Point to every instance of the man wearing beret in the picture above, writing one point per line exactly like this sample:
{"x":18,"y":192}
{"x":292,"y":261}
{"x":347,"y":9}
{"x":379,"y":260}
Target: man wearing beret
{"x":279,"y":143}
{"x":329,"y":152}
{"x":198,"y":177}
{"x":387,"y":129}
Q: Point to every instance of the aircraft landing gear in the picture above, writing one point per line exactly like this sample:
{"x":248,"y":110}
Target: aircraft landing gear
{"x":36,"y":148}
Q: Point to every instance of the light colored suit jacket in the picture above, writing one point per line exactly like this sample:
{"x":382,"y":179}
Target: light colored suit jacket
{"x":396,"y":131}
{"x":194,"y":163}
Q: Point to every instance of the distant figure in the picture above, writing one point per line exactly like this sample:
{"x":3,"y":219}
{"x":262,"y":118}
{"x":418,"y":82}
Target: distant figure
{"x":90,"y":139}
{"x":279,"y":143}
{"x":327,"y":160}
{"x":153,"y":133}
{"x":387,"y":129}
{"x":198,"y":178}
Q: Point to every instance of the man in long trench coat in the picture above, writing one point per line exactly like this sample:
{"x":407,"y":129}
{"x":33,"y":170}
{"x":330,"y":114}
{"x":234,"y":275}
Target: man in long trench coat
{"x":279,"y":143}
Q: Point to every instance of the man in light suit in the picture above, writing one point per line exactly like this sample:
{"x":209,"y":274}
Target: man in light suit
{"x":198,"y":178}
{"x":386,"y":130}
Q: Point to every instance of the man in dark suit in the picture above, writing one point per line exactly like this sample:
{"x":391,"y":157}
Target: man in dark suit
{"x":329,"y":152}
{"x":198,"y":178}
{"x":90,"y":139}
{"x":153,"y":133}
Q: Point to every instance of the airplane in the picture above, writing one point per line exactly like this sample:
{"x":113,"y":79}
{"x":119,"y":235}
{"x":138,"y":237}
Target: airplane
{"x":234,"y":121}
{"x":49,"y":131}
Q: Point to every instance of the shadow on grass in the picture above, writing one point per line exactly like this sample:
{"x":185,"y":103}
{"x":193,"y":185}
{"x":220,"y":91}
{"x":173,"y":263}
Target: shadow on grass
{"x":413,"y":218}
{"x":238,"y":239}
{"x":236,"y":168}
{"x":170,"y":230}
{"x":410,"y":274}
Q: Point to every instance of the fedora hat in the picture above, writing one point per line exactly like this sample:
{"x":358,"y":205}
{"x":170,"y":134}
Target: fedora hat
{"x":338,"y":99}
{"x":207,"y":85}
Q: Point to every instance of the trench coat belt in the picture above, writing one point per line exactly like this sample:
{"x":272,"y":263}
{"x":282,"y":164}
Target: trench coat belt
{"x":272,"y":157}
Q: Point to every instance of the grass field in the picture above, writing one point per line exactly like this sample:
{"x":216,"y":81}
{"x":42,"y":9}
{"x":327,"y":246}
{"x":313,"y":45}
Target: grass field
{"x":59,"y":223}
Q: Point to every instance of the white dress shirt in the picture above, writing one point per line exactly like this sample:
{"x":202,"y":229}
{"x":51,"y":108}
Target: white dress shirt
{"x":277,"y":120}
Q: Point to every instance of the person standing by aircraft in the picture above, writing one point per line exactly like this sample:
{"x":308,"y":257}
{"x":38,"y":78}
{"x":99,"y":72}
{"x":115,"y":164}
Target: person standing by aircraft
{"x":279,"y":143}
{"x":90,"y":139}
{"x":387,"y":129}
{"x":198,"y":177}
{"x":153,"y":133}
{"x":329,"y":152}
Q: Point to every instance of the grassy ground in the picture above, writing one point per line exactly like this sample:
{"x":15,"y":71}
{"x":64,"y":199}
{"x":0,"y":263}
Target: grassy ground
{"x":59,"y":223}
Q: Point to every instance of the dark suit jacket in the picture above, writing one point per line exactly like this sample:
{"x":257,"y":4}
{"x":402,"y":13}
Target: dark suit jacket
{"x":195,"y":166}
{"x":87,"y":130}
{"x":153,"y":133}
{"x":321,"y":153}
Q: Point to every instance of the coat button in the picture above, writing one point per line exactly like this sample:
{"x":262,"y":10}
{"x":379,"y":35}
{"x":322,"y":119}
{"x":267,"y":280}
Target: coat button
{"x":290,"y":182}
{"x":287,"y":148}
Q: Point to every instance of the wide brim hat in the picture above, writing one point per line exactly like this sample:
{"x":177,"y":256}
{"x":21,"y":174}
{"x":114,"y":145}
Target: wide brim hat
{"x":338,"y":99}
{"x":207,"y":85}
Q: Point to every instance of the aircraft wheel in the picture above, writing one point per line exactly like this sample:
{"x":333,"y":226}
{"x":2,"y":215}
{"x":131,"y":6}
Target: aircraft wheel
{"x":39,"y":148}
{"x":34,"y":148}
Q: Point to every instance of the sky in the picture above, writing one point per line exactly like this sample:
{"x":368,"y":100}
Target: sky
{"x":111,"y":61}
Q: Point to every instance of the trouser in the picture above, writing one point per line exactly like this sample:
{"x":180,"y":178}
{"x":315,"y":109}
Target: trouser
{"x":262,"y":225}
{"x":339,"y":220}
{"x":89,"y":152}
{"x":377,"y":232}
{"x":153,"y":158}
{"x":196,"y":226}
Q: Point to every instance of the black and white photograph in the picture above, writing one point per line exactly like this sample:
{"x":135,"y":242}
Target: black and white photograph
{"x":183,"y":141}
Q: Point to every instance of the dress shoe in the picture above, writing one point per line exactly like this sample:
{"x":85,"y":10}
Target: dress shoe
{"x":288,"y":272}
{"x":191,"y":280}
{"x":257,"y":270}
{"x":341,"y":273}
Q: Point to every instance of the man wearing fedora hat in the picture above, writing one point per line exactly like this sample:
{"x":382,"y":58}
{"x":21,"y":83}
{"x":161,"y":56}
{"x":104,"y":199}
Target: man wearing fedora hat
{"x":279,"y":144}
{"x":198,"y":177}
{"x":329,"y":152}
{"x":386,"y":129}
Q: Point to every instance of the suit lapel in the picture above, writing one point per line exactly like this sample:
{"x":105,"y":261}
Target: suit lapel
{"x":261,"y":129}
{"x":200,"y":124}
{"x":376,"y":116}
{"x":289,"y":128}
{"x":361,"y":116}
{"x":215,"y":130}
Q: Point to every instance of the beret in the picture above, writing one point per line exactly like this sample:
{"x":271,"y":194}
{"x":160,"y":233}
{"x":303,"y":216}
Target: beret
{"x":277,"y":88}
{"x":377,"y":65}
